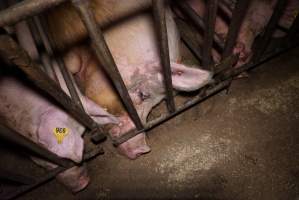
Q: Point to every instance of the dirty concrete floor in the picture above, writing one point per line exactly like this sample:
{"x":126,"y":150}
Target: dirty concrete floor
{"x":243,"y":145}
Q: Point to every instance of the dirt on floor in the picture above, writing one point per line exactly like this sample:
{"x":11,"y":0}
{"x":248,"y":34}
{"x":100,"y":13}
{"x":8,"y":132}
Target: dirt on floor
{"x":241,"y":145}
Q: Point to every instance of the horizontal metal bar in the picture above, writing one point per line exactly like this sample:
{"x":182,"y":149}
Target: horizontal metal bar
{"x":160,"y":22}
{"x":50,"y":175}
{"x":104,"y":56}
{"x":14,"y":137}
{"x":264,"y":40}
{"x":210,"y":21}
{"x":25,"y":9}
{"x":197,"y":20}
{"x":238,"y":16}
{"x":11,"y":52}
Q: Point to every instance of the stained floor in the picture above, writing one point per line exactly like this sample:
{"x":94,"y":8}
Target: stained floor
{"x":241,"y":145}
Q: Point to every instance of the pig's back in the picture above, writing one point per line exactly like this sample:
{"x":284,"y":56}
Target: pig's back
{"x":133,"y":41}
{"x":20,"y":107}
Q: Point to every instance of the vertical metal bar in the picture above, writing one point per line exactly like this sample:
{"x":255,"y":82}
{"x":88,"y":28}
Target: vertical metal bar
{"x":160,"y":22}
{"x":210,"y":20}
{"x":293,"y":31}
{"x":264,"y":40}
{"x":12,"y":136}
{"x":237,"y":18}
{"x":105,"y":58}
{"x":197,"y":20}
{"x":10,"y":51}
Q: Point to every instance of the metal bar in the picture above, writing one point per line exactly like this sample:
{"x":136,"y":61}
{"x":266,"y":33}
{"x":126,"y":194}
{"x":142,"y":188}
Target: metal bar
{"x":226,"y":64}
{"x":25,"y":9}
{"x":12,"y":136}
{"x":197,"y":20}
{"x":66,"y":76}
{"x":237,"y":18}
{"x":210,"y":21}
{"x":49,"y":176}
{"x":293,"y":31}
{"x":264,"y":40}
{"x":222,"y":82}
{"x":160,"y":22}
{"x":10,"y":51}
{"x":14,"y":177}
{"x":185,"y":31}
{"x":105,"y":58}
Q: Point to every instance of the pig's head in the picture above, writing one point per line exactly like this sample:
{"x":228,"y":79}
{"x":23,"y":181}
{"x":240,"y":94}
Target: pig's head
{"x":135,"y":146}
{"x":147,"y":88}
{"x":61,"y":135}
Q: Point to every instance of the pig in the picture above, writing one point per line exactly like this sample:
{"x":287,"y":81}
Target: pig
{"x":133,"y":43}
{"x":25,"y":110}
{"x":255,"y":21}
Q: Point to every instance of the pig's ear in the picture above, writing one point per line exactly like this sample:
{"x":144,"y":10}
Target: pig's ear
{"x":189,"y":79}
{"x":70,"y":145}
{"x":100,"y":115}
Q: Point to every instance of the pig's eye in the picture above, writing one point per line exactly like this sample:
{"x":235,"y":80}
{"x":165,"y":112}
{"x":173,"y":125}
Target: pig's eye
{"x":177,"y":72}
{"x":143,"y":95}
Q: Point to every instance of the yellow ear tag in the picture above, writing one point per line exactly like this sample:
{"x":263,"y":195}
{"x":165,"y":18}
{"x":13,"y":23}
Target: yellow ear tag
{"x":60,"y":134}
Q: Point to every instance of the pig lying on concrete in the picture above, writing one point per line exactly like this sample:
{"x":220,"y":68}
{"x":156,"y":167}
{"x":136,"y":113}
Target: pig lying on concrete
{"x":31,"y":114}
{"x":134,"y":46}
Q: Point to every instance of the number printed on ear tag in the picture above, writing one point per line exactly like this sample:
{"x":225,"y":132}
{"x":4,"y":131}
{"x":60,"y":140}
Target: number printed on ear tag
{"x":60,"y":134}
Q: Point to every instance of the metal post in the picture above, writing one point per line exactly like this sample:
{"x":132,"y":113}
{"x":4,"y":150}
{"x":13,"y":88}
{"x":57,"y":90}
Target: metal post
{"x":10,"y":51}
{"x":210,"y":19}
{"x":105,"y":58}
{"x":237,"y":18}
{"x":197,"y":20}
{"x":25,"y":9}
{"x":160,"y":22}
{"x":264,"y":40}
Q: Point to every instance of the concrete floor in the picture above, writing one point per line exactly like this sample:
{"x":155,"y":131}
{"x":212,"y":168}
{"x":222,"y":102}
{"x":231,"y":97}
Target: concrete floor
{"x":238,"y":146}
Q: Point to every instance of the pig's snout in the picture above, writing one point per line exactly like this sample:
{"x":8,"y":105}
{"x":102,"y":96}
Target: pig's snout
{"x":135,"y":146}
{"x":244,"y":54}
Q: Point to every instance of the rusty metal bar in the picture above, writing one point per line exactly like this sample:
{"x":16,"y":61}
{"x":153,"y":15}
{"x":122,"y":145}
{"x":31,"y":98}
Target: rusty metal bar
{"x":160,"y":22}
{"x":237,"y":18}
{"x":12,"y":136}
{"x":105,"y":58}
{"x":11,"y":52}
{"x":264,"y":40}
{"x":197,"y":20}
{"x":210,"y":21}
{"x":25,"y":9}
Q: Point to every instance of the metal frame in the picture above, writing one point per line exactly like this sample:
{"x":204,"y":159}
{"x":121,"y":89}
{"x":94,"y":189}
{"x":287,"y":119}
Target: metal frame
{"x":223,"y":72}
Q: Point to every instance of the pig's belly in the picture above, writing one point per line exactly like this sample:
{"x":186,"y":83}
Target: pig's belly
{"x":134,"y":40}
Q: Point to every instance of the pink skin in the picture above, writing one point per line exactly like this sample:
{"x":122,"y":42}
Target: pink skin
{"x":35,"y":117}
{"x":256,"y":19}
{"x":133,"y":44}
